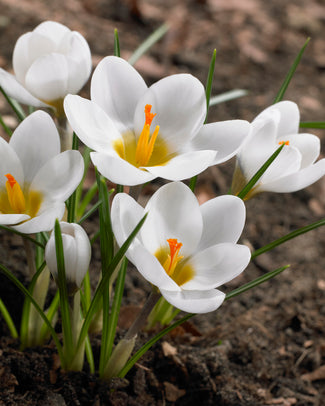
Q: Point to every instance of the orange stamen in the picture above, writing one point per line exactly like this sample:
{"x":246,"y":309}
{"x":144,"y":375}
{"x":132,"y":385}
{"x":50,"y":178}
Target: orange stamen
{"x":11,"y":180}
{"x":149,"y":116}
{"x":173,"y":259}
{"x":15,"y":195}
{"x":284,"y":142}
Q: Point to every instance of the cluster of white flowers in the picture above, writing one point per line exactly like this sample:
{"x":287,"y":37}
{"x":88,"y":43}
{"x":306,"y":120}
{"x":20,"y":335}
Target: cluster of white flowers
{"x":136,"y":134}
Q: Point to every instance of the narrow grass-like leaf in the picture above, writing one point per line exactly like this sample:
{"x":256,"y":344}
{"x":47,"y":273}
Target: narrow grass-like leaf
{"x":227,"y":96}
{"x":87,"y":199}
{"x":117,"y":51}
{"x":25,"y":291}
{"x":5,"y":127}
{"x":148,"y":43}
{"x":105,"y":280}
{"x":290,"y":74}
{"x":255,"y":282}
{"x":259,"y":173}
{"x":7,"y":318}
{"x":72,"y":199}
{"x":64,"y":301}
{"x":288,"y":237}
{"x":16,"y":107}
{"x":312,"y":124}
{"x":86,"y":157}
{"x":50,"y":313}
{"x":90,"y":212}
{"x":90,"y":356}
{"x":11,"y":230}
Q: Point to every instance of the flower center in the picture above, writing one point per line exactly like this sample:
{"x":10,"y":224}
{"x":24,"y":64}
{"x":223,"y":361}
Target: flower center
{"x":284,"y":142}
{"x":173,"y":263}
{"x":146,"y":143}
{"x":14,"y":201}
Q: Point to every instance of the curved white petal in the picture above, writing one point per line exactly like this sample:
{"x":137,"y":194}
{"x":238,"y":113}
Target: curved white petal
{"x":79,"y":62}
{"x":52,"y":30}
{"x":125,"y":215}
{"x":225,"y":137}
{"x":297,"y":180}
{"x":9,"y":163}
{"x":60,"y":176}
{"x":184,"y":166}
{"x":90,"y":123}
{"x":308,"y":145}
{"x":35,"y":140}
{"x":287,"y":162}
{"x":217,"y":265}
{"x":260,"y":145}
{"x":15,"y":90}
{"x":119,"y":171}
{"x":150,"y":268}
{"x":173,"y":212}
{"x":223,"y":220}
{"x":192,"y":301}
{"x":10,"y":219}
{"x":116,"y":87}
{"x":289,"y":117}
{"x":47,"y":77}
{"x":180,"y":104}
{"x":49,"y":212}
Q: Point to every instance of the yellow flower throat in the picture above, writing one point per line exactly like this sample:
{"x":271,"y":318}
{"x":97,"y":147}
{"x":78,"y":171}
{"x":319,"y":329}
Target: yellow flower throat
{"x":177,"y":268}
{"x":146,"y":150}
{"x":14,"y":201}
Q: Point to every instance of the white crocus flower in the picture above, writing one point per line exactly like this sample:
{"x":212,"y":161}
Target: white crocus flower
{"x":295,"y":168}
{"x":49,"y":62}
{"x":35,"y":178}
{"x":77,"y":253}
{"x":184,"y":249}
{"x":140,"y":133}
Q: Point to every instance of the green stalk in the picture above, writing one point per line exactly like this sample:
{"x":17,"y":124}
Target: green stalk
{"x":14,"y":105}
{"x":287,"y":237}
{"x":72,"y":199}
{"x":8,"y":320}
{"x":90,"y":212}
{"x":117,"y":51}
{"x":5,"y":127}
{"x":290,"y":74}
{"x":312,"y":124}
{"x":87,"y":199}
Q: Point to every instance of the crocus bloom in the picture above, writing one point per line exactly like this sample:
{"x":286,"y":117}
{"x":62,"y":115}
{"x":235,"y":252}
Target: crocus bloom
{"x":77,"y":252}
{"x":49,"y":62}
{"x":294,"y":168}
{"x":35,"y":178}
{"x":140,"y":133}
{"x":184,"y":249}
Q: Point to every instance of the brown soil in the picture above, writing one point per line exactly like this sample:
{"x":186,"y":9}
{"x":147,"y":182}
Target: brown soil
{"x":267,"y":346}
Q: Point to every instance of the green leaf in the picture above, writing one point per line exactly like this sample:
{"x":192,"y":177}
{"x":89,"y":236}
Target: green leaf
{"x":290,"y":74}
{"x":227,"y":96}
{"x":117,"y":51}
{"x":5,"y":127}
{"x":288,"y":237}
{"x":16,"y":107}
{"x":148,"y":43}
{"x":8,"y":320}
{"x":312,"y":124}
{"x":208,"y":86}
{"x":259,"y":173}
{"x":27,"y":237}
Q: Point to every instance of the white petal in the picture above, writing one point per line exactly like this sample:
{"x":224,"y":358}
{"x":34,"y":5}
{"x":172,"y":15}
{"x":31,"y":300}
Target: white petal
{"x":184,"y":166}
{"x":53,"y":30}
{"x":289,"y":117}
{"x":150,"y":268}
{"x":180,"y":105}
{"x":47,"y":78}
{"x":79,"y":61}
{"x":44,"y":221}
{"x":9,"y":163}
{"x":308,"y":145}
{"x":225,"y":137}
{"x":223,"y":220}
{"x":90,"y":123}
{"x":260,"y":145}
{"x":217,"y":265}
{"x":125,"y":215}
{"x":173,"y":212}
{"x":10,"y":219}
{"x":36,"y":140}
{"x":116,"y":86}
{"x":60,"y":176}
{"x":192,"y":301}
{"x":296,"y":181}
{"x":119,"y":171}
{"x":15,"y":90}
{"x":287,"y":162}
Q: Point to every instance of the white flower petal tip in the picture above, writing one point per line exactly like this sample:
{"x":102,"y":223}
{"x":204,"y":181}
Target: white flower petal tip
{"x":77,"y":253}
{"x":139,"y":133}
{"x":294,"y":168}
{"x":35,"y":178}
{"x":183,"y":249}
{"x":48,"y":62}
